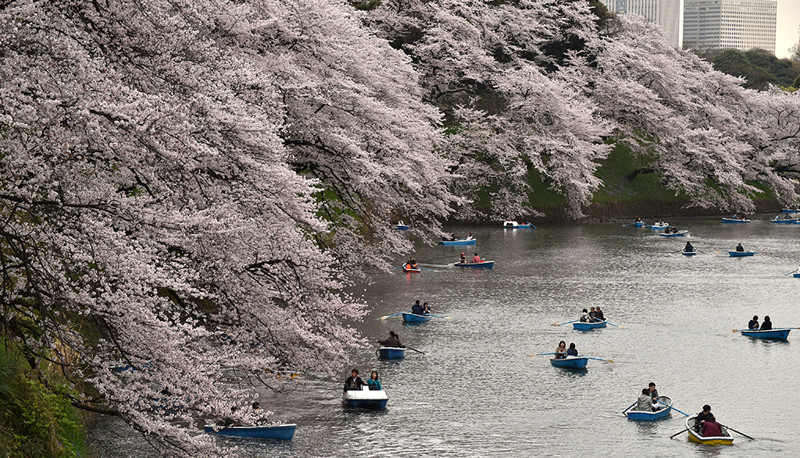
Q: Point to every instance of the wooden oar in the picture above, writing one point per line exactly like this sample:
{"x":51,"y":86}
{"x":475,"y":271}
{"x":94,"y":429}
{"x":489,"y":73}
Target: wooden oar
{"x":393,"y":314}
{"x":612,"y":324}
{"x":542,"y":354}
{"x":438,"y":316}
{"x":679,"y":432}
{"x":743,"y":434}
{"x":673,"y":408}
{"x":789,"y":273}
{"x":598,"y":359}
{"x":568,"y":322}
{"x":425,"y":268}
{"x":414,"y":349}
{"x":634,"y":403}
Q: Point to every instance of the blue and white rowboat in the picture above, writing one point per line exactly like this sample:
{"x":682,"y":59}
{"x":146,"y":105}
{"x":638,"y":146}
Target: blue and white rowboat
{"x":391,"y":352}
{"x":659,"y":226}
{"x":688,"y":253}
{"x":644,"y":415}
{"x":458,"y":242}
{"x":476,"y":265}
{"x":277,"y":432}
{"x":409,"y":317}
{"x":584,"y":326}
{"x":770,"y":334}
{"x":739,"y":254}
{"x":735,"y":220}
{"x":365,"y":399}
{"x":682,"y":233}
{"x":796,"y":275}
{"x":570,"y":362}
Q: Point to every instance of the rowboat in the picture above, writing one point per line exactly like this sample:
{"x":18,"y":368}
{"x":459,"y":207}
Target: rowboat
{"x":409,"y":317}
{"x":770,"y":334}
{"x":515,"y":225}
{"x":411,"y":270}
{"x":585,"y":326}
{"x":391,"y":352}
{"x":365,"y":399}
{"x":796,"y":275}
{"x":674,"y":234}
{"x":476,"y":265}
{"x":570,"y":362}
{"x":688,"y":253}
{"x":735,"y":220}
{"x":694,"y":436}
{"x":659,"y":226}
{"x":644,"y":415}
{"x":739,"y":254}
{"x":458,"y":242}
{"x":278,"y":432}
{"x":784,"y":220}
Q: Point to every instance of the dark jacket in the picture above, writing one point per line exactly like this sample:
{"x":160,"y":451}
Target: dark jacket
{"x":416,"y":309}
{"x":766,"y":325}
{"x":353,"y":383}
{"x":753,"y":324}
{"x":711,"y":429}
{"x":391,"y":342}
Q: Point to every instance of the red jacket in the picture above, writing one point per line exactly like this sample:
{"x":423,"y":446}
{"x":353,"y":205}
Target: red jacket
{"x":711,"y":429}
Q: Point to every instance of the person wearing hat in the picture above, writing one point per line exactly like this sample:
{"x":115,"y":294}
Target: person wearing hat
{"x":463,"y":259}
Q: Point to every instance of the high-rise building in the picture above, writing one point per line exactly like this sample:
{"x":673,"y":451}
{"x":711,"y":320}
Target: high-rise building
{"x":665,"y":13}
{"x":729,"y":24}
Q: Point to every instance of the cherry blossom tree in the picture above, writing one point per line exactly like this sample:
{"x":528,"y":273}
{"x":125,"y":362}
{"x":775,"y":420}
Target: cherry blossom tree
{"x":183,"y":186}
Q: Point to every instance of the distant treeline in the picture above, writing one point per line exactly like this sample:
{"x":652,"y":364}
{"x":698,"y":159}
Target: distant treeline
{"x":759,"y":67}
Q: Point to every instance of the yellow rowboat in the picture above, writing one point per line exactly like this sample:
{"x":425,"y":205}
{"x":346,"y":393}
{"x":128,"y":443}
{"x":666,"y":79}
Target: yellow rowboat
{"x":694,"y":436}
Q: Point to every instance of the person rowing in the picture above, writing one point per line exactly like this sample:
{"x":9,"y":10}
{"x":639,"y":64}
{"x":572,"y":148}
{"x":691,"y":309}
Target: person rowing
{"x":753,"y":324}
{"x":412,"y":264}
{"x":476,"y":259}
{"x":739,"y":248}
{"x":767,"y":324}
{"x":417,"y":309}
{"x":392,"y":341}
{"x":689,"y":248}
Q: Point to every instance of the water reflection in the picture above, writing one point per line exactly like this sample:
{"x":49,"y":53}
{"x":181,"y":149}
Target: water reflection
{"x":477,"y":392}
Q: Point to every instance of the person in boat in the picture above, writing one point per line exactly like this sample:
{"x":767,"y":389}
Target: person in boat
{"x":374,"y":382}
{"x":353,"y":382}
{"x":572,"y":351}
{"x":701,"y":417}
{"x":561,"y":350}
{"x":735,"y":216}
{"x":739,"y":248}
{"x":426,"y":310}
{"x":593,"y":315}
{"x":600,"y":316}
{"x":462,"y":259}
{"x":710,"y":427}
{"x":584,"y":316}
{"x":476,"y":259}
{"x":637,"y":220}
{"x":416,"y":309}
{"x":469,"y":237}
{"x":412,"y":264}
{"x":767,"y":324}
{"x":753,"y":324}
{"x":645,"y":402}
{"x":689,"y":248}
{"x":651,"y":388}
{"x":392,"y":341}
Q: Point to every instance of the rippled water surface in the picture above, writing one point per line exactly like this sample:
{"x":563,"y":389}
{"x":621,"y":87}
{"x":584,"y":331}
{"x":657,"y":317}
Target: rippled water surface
{"x":477,"y":390}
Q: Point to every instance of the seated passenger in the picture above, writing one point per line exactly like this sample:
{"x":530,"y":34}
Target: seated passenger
{"x":392,"y":341}
{"x":689,"y":248}
{"x":412,"y":264}
{"x":425,"y":309}
{"x":584,"y":316}
{"x":373,"y":382}
{"x":572,"y":350}
{"x":710,"y":427}
{"x":753,"y":324}
{"x":739,"y":247}
{"x":353,"y":382}
{"x":767,"y":324}
{"x":593,"y":315}
{"x":561,"y":350}
{"x":416,"y":309}
{"x":644,"y":403}
{"x":476,"y":259}
{"x":462,"y":259}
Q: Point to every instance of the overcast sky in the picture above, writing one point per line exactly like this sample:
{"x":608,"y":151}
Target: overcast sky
{"x":788,"y":21}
